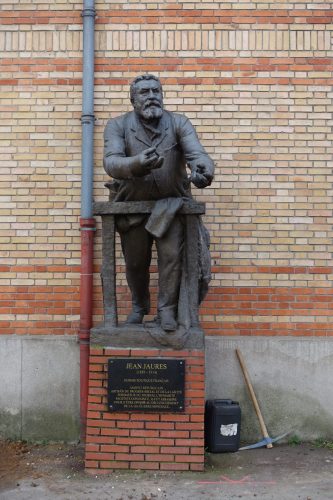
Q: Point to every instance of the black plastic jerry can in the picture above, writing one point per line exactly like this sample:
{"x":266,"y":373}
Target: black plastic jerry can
{"x":222,"y":425}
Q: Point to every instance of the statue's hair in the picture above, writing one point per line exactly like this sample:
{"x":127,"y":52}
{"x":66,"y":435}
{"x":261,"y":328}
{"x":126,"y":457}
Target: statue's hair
{"x":139,"y":79}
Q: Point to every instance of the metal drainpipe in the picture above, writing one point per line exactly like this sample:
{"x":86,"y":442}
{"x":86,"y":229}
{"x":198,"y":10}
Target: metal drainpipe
{"x":87,"y":222}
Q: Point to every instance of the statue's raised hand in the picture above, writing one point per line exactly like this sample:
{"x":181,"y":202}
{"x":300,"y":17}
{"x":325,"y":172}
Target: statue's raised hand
{"x":146,"y":161}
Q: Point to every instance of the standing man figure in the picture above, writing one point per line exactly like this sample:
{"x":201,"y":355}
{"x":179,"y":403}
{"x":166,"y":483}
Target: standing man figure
{"x":147,"y":151}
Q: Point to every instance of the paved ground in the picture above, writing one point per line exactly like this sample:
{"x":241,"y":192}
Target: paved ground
{"x":56,"y":472}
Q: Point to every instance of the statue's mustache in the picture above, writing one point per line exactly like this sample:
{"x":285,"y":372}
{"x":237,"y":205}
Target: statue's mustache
{"x":152,"y":103}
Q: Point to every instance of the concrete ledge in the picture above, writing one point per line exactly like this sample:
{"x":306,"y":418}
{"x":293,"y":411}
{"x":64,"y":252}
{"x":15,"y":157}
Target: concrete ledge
{"x":292,"y":378}
{"x":39,"y":397}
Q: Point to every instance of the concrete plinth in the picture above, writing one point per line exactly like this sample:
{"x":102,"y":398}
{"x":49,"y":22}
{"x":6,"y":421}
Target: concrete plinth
{"x":39,"y":396}
{"x":291,"y":378}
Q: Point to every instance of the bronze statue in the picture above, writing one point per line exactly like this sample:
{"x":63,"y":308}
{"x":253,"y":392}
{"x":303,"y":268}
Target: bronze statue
{"x":147,"y":152}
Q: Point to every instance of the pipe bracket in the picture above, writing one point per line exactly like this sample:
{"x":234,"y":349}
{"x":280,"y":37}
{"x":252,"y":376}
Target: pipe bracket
{"x":88,"y":224}
{"x":89,"y":11}
{"x":87,"y":119}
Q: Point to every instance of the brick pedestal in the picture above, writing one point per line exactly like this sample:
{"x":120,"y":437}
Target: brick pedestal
{"x":137,"y":440}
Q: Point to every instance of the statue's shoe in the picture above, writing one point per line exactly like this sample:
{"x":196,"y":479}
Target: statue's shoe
{"x":135,"y":318}
{"x":168,"y":321}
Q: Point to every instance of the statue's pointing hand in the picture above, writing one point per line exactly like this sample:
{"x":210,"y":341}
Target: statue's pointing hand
{"x":146,"y":161}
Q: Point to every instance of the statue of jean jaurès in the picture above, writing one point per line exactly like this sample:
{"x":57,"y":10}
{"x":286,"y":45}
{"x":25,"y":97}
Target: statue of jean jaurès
{"x":153,"y":154}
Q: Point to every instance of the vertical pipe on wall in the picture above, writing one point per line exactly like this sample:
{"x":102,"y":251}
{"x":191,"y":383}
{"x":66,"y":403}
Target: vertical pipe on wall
{"x":88,"y":118}
{"x":87,"y":222}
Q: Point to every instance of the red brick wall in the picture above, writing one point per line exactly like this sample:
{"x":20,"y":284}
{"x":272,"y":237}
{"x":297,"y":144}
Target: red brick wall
{"x":255,"y":79}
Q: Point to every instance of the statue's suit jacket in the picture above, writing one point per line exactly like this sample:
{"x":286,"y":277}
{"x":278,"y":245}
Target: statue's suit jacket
{"x":178,"y":143}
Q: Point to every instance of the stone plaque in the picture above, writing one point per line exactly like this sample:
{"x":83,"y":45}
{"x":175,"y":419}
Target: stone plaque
{"x":149,"y":384}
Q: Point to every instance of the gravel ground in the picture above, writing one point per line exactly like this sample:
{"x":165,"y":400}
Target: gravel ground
{"x":31,"y":472}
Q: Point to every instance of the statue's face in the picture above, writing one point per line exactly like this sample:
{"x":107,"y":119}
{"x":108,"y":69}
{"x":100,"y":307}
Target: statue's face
{"x":148,"y":99}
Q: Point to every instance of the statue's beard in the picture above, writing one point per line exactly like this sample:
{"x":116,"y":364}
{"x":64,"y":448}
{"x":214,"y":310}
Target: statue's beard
{"x":151,"y":111}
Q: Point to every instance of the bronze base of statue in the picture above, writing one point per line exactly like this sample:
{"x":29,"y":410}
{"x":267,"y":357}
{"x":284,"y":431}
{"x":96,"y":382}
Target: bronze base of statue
{"x":149,"y":334}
